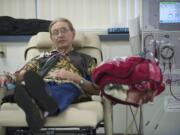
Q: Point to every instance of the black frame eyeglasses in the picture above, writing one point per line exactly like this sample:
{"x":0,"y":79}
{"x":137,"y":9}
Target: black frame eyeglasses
{"x":62,"y":30}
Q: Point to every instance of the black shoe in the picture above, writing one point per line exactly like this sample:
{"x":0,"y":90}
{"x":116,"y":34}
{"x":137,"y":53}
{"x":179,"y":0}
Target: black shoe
{"x":36,"y":87}
{"x":34,"y":116}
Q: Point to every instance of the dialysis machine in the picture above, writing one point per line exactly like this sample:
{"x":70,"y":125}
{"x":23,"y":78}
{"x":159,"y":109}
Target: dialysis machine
{"x":161,"y":39}
{"x":161,"y":31}
{"x":161,"y":35}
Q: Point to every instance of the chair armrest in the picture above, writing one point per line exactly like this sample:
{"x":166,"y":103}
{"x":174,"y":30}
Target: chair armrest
{"x":96,"y":98}
{"x":2,"y":93}
{"x":108,"y":116}
{"x":108,"y":113}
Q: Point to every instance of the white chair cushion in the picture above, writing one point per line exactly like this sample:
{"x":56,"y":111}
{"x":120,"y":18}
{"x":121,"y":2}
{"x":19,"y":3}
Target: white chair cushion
{"x":81,"y":114}
{"x":43,"y":40}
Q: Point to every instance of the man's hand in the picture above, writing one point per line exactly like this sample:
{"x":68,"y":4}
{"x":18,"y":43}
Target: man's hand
{"x":67,"y":75}
{"x":3,"y":80}
{"x":88,"y":86}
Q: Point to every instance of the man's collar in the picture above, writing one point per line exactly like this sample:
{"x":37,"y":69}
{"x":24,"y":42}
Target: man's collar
{"x":61,"y":53}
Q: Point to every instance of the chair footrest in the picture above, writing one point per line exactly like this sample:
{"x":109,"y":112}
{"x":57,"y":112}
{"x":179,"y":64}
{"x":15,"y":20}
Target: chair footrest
{"x":91,"y":113}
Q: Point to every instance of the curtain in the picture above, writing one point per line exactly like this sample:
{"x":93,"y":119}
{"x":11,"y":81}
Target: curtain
{"x":17,"y":8}
{"x":92,"y":15}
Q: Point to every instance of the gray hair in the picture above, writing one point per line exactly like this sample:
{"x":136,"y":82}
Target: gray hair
{"x":70,"y":25}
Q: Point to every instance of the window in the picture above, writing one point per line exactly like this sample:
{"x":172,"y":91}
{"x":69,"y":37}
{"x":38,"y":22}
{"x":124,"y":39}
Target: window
{"x":92,"y":15}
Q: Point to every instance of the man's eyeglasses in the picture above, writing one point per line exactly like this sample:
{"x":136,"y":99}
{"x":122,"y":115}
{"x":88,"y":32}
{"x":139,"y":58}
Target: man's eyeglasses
{"x":61,"y":30}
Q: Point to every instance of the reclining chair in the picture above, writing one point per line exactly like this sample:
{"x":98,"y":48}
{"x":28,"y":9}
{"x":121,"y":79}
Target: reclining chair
{"x":79,"y":117}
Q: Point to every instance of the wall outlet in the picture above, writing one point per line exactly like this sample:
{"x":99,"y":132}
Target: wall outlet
{"x":2,"y":51}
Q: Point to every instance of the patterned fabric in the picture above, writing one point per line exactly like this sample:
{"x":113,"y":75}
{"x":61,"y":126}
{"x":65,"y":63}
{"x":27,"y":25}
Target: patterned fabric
{"x":64,"y":94}
{"x":135,"y":73}
{"x":63,"y":63}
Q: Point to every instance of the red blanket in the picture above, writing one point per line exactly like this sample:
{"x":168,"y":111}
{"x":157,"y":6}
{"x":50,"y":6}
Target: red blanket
{"x":138,"y":73}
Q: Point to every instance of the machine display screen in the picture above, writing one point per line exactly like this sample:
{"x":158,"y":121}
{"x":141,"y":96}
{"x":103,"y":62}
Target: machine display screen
{"x":169,"y":12}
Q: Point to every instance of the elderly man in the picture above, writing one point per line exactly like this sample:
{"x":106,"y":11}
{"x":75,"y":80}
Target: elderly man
{"x":52,"y":81}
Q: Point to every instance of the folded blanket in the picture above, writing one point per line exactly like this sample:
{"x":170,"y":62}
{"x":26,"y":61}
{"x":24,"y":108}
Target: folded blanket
{"x":135,"y":72}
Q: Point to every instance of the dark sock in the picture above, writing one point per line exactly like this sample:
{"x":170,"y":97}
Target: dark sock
{"x":34,"y":116}
{"x":36,"y":87}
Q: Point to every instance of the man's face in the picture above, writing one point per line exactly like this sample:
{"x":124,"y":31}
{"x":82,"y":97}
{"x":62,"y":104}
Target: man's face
{"x":62,"y":36}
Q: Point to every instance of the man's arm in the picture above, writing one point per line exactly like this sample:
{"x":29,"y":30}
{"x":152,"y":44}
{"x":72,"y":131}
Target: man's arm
{"x":19,"y":76}
{"x":10,"y":78}
{"x":87,"y":86}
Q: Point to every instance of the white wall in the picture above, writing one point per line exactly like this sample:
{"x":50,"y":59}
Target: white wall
{"x":14,"y":56}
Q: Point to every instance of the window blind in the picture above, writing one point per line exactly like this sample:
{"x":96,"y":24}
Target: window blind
{"x":95,"y":15}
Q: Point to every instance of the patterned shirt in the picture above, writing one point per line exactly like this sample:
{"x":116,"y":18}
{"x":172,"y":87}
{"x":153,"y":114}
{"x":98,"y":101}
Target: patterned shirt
{"x":63,"y":63}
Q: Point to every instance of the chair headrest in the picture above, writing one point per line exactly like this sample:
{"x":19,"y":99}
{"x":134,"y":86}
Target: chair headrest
{"x":88,"y":43}
{"x":43,"y":40}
